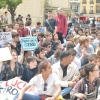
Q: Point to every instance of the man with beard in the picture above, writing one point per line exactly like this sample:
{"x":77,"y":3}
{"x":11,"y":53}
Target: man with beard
{"x":40,"y":54}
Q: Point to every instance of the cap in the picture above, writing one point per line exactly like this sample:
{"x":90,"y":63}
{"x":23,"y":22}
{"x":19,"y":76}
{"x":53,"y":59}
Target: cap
{"x":60,"y":8}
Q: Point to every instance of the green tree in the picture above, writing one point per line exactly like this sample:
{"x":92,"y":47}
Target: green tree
{"x":11,"y":6}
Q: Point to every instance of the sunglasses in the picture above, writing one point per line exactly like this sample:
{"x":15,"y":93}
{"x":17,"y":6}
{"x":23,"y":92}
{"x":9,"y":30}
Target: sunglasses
{"x":45,"y":86}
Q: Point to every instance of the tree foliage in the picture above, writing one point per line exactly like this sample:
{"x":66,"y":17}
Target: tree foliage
{"x":11,"y":5}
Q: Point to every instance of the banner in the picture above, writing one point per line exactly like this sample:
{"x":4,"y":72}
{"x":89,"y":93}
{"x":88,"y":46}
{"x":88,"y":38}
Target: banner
{"x":5,"y":37}
{"x":5,"y":54}
{"x":29,"y":43}
{"x":10,"y":88}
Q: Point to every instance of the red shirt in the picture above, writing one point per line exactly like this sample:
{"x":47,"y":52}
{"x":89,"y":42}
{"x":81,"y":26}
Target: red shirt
{"x":61,"y":24}
{"x":24,"y":32}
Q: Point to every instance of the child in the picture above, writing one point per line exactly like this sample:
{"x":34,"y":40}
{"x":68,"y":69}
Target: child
{"x":31,"y":69}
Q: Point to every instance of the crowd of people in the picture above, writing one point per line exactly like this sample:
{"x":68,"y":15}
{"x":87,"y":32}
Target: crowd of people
{"x":65,"y":64}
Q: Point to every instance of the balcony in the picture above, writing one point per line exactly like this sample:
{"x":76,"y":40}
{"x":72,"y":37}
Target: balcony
{"x":91,"y":12}
{"x":97,"y":1}
{"x":97,"y":11}
{"x":84,"y":2}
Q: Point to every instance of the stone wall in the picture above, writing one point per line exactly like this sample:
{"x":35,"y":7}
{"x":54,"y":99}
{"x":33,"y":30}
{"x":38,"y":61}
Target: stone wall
{"x":36,"y":8}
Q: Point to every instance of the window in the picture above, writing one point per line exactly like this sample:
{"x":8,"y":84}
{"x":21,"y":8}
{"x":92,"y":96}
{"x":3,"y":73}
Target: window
{"x":91,"y":0}
{"x":75,"y":8}
{"x":91,"y":7}
{"x":84,"y":1}
{"x":97,"y":1}
{"x":97,"y":9}
{"x":84,"y":8}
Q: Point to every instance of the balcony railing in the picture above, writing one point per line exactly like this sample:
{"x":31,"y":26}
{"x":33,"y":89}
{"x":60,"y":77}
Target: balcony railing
{"x":91,"y":12}
{"x":97,"y":1}
{"x":97,"y":11}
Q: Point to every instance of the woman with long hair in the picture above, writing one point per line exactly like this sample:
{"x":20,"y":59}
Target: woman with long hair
{"x":87,"y":87}
{"x":12,"y":68}
{"x":46,"y":82}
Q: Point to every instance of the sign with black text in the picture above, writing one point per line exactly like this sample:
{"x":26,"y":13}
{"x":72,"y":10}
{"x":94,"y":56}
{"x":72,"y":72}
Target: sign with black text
{"x":29,"y":43}
{"x":5,"y":37}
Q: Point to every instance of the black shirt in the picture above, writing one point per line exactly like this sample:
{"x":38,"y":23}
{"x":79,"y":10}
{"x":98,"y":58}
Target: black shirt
{"x":64,"y":68}
{"x":28,"y":73}
{"x":52,"y":23}
{"x":49,"y":54}
{"x":17,"y":48}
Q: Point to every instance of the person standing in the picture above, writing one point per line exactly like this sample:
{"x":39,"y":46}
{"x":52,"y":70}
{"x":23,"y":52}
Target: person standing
{"x":50,"y":23}
{"x":61,"y":24}
{"x":6,"y":18}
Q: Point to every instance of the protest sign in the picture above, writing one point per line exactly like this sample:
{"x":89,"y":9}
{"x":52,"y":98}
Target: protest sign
{"x":9,"y":89}
{"x":29,"y":43}
{"x":5,"y":54}
{"x":5,"y":37}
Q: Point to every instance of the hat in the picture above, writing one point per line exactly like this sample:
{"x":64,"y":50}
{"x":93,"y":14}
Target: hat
{"x":60,"y":8}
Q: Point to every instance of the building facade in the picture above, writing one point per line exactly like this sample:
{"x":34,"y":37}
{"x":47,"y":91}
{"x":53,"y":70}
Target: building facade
{"x":37,"y":9}
{"x":90,"y":7}
{"x":75,"y":6}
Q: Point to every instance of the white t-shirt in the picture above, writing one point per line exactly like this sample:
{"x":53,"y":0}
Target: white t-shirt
{"x":51,"y":81}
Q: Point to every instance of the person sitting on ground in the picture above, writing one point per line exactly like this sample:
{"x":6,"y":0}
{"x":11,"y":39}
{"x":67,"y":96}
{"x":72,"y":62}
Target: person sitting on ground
{"x":55,"y":57}
{"x":30,"y":71}
{"x":23,"y":56}
{"x":23,"y":32}
{"x":40,"y":54}
{"x":9,"y":28}
{"x":84,"y":49}
{"x":46,"y":82}
{"x":93,"y":58}
{"x":16,"y":43}
{"x":67,"y":72}
{"x":48,"y":37}
{"x":15,"y":26}
{"x":37,"y":27}
{"x":55,"y":37}
{"x":41,"y":38}
{"x":87,"y":87}
{"x":12,"y":68}
{"x":58,"y":45}
{"x":47,"y":45}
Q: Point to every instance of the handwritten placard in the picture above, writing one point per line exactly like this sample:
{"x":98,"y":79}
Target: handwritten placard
{"x":29,"y":43}
{"x":9,"y":89}
{"x":5,"y":37}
